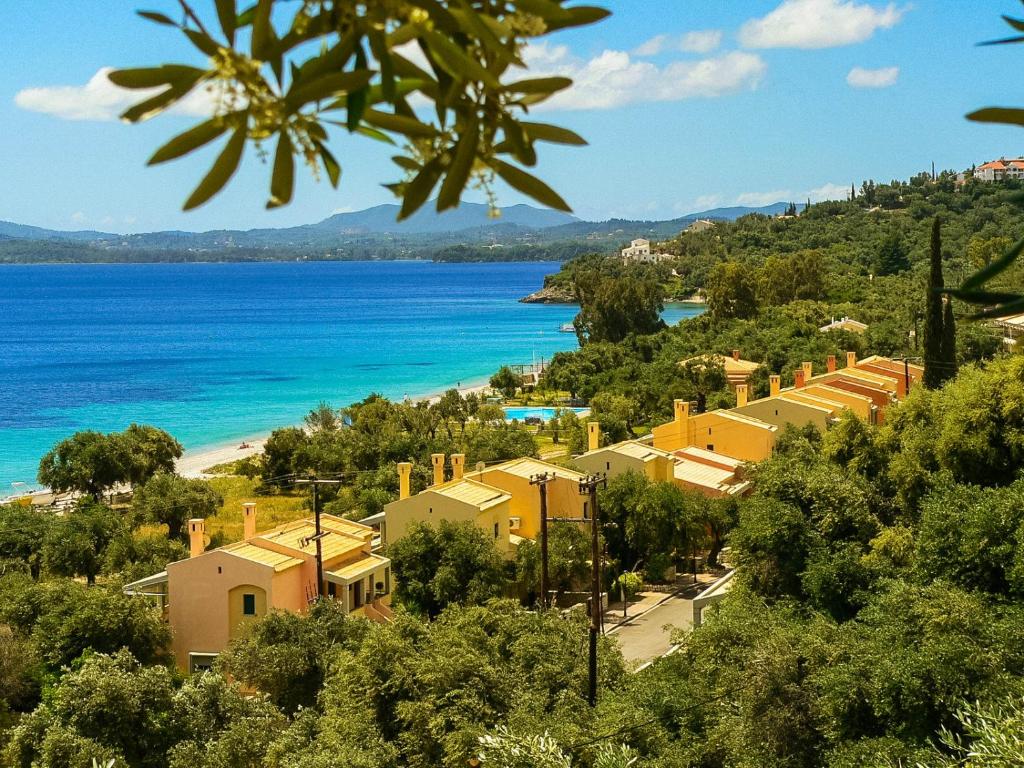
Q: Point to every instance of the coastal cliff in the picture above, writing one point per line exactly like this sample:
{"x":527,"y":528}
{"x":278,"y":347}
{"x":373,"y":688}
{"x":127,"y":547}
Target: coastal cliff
{"x":553,"y":294}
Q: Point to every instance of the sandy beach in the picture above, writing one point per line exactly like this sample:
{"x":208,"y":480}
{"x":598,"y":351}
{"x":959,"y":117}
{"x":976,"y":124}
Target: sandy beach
{"x":193,"y":462}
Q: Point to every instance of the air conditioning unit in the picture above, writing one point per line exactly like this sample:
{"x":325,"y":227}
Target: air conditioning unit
{"x":513,"y":523}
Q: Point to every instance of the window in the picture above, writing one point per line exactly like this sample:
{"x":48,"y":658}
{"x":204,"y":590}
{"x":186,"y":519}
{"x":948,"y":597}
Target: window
{"x":248,"y":604}
{"x":495,"y":530}
{"x":711,"y":446}
{"x":200,"y":662}
{"x":332,"y":589}
{"x":608,"y":466}
{"x":219,"y":569}
{"x":584,"y":509}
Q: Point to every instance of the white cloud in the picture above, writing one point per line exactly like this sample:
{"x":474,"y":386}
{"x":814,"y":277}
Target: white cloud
{"x":703,"y":41}
{"x":828,"y":192}
{"x":614,"y":79}
{"x":704,"y":202}
{"x":100,"y":99}
{"x":757,"y":199}
{"x":872,"y":78}
{"x":78,"y":217}
{"x":652,"y":47}
{"x":818,"y":24}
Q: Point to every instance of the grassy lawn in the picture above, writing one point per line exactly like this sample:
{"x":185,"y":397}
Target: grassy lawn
{"x":270,"y":510}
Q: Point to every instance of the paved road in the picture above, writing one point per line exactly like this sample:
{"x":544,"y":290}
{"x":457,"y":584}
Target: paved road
{"x":647,"y":637}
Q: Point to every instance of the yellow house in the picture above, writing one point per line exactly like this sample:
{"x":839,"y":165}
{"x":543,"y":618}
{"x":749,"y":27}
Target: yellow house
{"x":782,"y":411}
{"x":737,"y":370}
{"x":456,"y":501}
{"x":210,"y":597}
{"x":513,"y":477}
{"x":500,"y":499}
{"x":735,"y":435}
{"x":629,"y":456}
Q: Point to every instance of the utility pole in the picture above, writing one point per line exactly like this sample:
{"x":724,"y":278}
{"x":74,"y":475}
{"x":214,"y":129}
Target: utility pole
{"x":588,"y":487}
{"x":541,"y":482}
{"x":314,"y":482}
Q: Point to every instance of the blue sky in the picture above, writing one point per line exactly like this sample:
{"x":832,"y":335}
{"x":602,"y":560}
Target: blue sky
{"x":687,"y":105}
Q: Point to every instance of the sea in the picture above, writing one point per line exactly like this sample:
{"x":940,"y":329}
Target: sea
{"x":221,"y":352}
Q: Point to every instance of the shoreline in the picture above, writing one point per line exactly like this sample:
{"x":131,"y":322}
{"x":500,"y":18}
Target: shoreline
{"x":193,"y":461}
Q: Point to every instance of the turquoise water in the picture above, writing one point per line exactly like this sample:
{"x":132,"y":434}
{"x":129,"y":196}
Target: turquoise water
{"x":539,"y":412}
{"x":215,"y":353}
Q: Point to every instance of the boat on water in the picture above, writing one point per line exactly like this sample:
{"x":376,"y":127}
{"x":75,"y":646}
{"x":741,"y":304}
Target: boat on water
{"x":567,"y":328}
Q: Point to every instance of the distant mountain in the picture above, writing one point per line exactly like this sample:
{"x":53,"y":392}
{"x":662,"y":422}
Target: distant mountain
{"x":382,"y":219}
{"x":370,"y":233}
{"x":26,"y":232}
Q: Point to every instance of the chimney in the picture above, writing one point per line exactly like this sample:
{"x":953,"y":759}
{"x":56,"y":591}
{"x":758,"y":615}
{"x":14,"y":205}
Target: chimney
{"x":593,"y":435}
{"x":249,"y":519}
{"x":458,"y":465}
{"x":808,"y":371}
{"x":437,"y":459}
{"x":798,"y":378}
{"x":774,"y":384}
{"x":851,"y":359}
{"x":831,"y":364}
{"x":196,"y":536}
{"x":404,"y":471}
{"x":682,"y":410}
{"x":736,"y":354}
{"x":741,"y":395}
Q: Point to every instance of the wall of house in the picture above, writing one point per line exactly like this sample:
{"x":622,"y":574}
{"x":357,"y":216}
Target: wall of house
{"x":859,"y":404}
{"x":431,"y":508}
{"x":199,"y":608}
{"x":781,"y":412}
{"x":427,"y":507}
{"x":671,"y":436}
{"x":563,"y":496}
{"x":733,"y":437}
{"x":610,"y":463}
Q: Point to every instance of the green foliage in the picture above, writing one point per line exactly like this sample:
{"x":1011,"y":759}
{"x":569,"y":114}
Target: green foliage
{"x":66,"y":619}
{"x":731,"y":292}
{"x":171,"y":500}
{"x":892,"y":255}
{"x":287,"y":657}
{"x":974,"y":537}
{"x":613,"y":308}
{"x":332,"y":64}
{"x":937,"y":368}
{"x":92,"y":462}
{"x":22,"y":531}
{"x":75,"y":544}
{"x":453,"y":563}
{"x":505,"y":381}
{"x":989,"y":735}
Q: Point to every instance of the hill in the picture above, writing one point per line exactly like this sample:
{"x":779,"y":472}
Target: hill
{"x":521,"y":233}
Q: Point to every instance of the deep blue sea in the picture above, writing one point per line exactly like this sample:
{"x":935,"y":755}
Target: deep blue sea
{"x":215,"y":353}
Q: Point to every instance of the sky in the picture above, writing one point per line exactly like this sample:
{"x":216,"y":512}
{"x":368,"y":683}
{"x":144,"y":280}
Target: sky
{"x":686,"y":104}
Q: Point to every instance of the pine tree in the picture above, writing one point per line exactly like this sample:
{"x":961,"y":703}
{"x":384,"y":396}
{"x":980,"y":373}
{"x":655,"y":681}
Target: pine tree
{"x":892,"y":254}
{"x":853,"y":191}
{"x":949,"y":341}
{"x":934,"y":367}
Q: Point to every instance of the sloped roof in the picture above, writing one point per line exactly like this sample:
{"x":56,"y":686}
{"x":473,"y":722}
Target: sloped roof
{"x":636,"y":450}
{"x":528,"y":467}
{"x":276,"y":560}
{"x":694,"y":452}
{"x":731,"y":364}
{"x":471,"y":492}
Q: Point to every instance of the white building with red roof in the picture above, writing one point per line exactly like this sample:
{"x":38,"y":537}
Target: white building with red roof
{"x":1003,"y":168}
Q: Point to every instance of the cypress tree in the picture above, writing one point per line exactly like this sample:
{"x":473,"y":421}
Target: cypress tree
{"x":948,"y":341}
{"x":933,"y":361}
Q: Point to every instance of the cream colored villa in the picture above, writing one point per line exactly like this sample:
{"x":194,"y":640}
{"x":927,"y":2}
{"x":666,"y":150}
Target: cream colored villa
{"x":210,"y":597}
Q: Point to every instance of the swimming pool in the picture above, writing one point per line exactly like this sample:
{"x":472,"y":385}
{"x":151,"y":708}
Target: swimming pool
{"x":522,"y":413}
